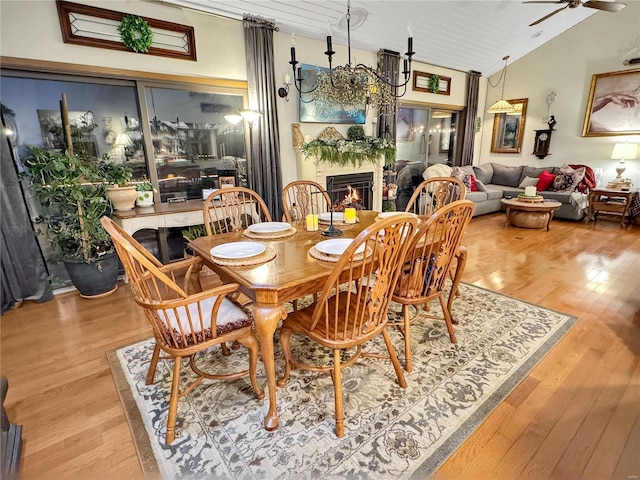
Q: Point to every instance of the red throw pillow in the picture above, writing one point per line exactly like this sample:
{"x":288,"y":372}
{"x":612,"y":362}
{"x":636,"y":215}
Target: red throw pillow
{"x":473,"y":183}
{"x":545,"y":180}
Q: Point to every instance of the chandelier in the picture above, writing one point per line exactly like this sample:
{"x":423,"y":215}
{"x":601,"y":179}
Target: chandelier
{"x":352,"y":86}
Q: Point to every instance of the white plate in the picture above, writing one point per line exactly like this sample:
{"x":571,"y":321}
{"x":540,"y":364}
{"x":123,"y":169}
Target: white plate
{"x":326,"y":217}
{"x":269,"y":227}
{"x":238,"y":250}
{"x":391,"y":214}
{"x":336,"y":246}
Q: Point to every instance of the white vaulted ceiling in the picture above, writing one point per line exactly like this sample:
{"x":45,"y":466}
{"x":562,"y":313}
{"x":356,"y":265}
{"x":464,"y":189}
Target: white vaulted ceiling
{"x":458,"y":34}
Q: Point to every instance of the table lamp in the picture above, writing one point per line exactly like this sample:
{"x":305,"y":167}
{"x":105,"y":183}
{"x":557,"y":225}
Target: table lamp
{"x":622,"y":152}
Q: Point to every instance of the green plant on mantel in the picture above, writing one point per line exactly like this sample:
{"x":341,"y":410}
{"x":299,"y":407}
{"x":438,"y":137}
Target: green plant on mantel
{"x":350,"y":152}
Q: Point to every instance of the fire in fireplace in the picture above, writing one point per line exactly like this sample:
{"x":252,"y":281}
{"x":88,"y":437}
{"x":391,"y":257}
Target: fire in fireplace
{"x":352,"y":190}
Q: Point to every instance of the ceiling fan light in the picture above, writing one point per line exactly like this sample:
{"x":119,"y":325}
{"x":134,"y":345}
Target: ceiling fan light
{"x":501,"y":106}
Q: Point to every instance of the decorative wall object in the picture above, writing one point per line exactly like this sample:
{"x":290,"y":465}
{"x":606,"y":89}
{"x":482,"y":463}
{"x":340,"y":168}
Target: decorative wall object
{"x":102,"y":28}
{"x":614,"y":104}
{"x":508,"y":128}
{"x":342,"y":105}
{"x":422,"y":83}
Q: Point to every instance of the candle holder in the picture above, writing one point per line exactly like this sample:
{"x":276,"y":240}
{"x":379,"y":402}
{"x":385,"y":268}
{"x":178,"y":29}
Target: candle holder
{"x":331,"y":231}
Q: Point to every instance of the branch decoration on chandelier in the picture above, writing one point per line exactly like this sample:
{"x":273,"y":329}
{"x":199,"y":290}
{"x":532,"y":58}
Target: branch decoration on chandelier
{"x":349,"y":85}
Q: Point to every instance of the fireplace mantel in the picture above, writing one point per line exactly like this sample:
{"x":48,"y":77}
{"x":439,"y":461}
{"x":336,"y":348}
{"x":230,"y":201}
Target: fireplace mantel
{"x":318,"y":171}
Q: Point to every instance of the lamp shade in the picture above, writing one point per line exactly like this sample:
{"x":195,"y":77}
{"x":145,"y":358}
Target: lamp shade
{"x":501,"y":106}
{"x":123,"y":140}
{"x":624,"y":151}
{"x":250,"y":115}
{"x":233,"y":118}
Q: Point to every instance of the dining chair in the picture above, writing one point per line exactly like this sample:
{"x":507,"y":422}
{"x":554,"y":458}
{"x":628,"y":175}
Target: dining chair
{"x":185,"y":321}
{"x":352,"y":306}
{"x":424,"y":269}
{"x":302,"y":197}
{"x":233,"y":209}
{"x":427,"y":198}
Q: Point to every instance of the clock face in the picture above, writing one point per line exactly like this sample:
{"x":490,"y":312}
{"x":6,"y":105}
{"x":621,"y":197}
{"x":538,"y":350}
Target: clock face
{"x":543,"y":137}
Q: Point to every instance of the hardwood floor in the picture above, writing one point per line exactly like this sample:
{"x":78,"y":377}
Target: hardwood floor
{"x":577,"y":415}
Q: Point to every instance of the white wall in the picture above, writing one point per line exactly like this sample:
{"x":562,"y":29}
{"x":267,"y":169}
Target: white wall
{"x":566,"y":65}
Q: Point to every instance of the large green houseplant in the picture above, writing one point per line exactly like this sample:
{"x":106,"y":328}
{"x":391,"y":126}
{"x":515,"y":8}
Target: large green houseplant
{"x":72,"y":197}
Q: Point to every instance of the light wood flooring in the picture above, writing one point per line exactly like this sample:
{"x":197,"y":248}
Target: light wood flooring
{"x":577,"y":415}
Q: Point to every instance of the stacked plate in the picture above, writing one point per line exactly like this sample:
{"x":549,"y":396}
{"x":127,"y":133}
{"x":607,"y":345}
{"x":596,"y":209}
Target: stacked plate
{"x":336,"y":246}
{"x":266,"y":228}
{"x":338,"y":217}
{"x":391,"y":214}
{"x":237,"y":250}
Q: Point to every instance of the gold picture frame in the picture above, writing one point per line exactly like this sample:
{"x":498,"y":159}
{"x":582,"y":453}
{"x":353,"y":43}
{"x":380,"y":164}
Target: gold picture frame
{"x":508,"y":128}
{"x":613,"y":107}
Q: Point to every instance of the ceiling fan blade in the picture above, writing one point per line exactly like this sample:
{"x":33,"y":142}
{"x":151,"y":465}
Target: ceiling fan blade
{"x":547,"y":16}
{"x":547,"y":1}
{"x":606,"y":6}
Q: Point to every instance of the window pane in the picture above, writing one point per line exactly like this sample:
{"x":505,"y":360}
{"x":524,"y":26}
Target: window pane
{"x":193,"y":145}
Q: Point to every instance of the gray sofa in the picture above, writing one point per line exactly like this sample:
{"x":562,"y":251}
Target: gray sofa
{"x":498,"y":181}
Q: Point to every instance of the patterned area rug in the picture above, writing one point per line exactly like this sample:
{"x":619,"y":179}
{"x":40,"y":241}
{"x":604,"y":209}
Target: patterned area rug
{"x":390,"y":432}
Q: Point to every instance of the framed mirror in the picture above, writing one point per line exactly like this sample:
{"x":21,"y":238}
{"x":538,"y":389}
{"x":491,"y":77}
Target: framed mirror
{"x":508,"y":128}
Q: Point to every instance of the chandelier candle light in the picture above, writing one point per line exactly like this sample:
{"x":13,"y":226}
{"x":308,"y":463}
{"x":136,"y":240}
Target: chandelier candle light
{"x":352,"y":85}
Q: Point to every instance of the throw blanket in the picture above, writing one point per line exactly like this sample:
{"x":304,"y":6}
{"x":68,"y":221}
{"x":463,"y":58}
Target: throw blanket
{"x":580,"y":201}
{"x":589,"y":180}
{"x":437,"y":170}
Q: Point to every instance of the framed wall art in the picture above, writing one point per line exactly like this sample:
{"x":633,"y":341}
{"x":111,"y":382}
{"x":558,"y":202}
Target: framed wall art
{"x":613,"y":107}
{"x":508,"y":128}
{"x":422,"y":83}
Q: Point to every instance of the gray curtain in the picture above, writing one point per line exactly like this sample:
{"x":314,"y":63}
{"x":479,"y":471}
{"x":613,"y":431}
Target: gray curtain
{"x":388,"y":68}
{"x":471,"y":112}
{"x":265,"y":174}
{"x":24,"y":274}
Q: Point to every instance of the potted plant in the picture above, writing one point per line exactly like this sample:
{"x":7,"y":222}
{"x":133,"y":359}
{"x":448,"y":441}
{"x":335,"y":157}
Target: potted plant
{"x":121,"y":193}
{"x":144,"y":191}
{"x":72,"y":199}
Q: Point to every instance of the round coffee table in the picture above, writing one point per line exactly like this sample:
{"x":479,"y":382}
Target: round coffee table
{"x":530,"y":214}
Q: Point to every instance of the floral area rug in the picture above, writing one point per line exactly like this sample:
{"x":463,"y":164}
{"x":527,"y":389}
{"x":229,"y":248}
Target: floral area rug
{"x":390,"y":432}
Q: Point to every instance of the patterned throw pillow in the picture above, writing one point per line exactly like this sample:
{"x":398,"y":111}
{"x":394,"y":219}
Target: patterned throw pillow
{"x":463,"y":176}
{"x":567,"y":179}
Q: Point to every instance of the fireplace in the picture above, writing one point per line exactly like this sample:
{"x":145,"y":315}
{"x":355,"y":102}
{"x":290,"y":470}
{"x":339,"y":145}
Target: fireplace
{"x":351,"y":190}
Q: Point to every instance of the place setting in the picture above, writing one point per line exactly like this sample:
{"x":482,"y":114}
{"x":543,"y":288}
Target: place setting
{"x":234,"y":254}
{"x":270,"y":230}
{"x":331,"y":250}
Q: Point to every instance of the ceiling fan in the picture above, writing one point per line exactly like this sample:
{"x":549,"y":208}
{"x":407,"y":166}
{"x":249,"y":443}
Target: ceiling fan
{"x":598,"y":5}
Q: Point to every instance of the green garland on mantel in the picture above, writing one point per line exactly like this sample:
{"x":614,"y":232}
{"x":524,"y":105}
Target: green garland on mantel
{"x":135,"y":33}
{"x":350,"y":152}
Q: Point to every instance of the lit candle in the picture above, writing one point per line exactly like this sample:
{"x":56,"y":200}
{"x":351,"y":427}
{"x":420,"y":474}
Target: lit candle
{"x":287,"y":79}
{"x":349,"y":215}
{"x":312,"y":222}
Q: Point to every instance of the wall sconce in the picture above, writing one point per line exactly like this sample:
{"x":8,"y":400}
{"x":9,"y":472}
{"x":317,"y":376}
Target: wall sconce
{"x":283,"y":92}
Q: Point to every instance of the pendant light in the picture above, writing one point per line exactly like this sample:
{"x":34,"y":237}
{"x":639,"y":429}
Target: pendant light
{"x":501,"y":106}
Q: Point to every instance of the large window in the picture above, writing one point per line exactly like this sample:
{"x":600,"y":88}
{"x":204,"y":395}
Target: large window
{"x":170,"y":131}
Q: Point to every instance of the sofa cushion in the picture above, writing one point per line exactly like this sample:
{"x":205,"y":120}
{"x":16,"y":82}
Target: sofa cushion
{"x":545,"y":180}
{"x":567,"y":179}
{"x":494,"y":192}
{"x":484,"y":172}
{"x":477,"y":196}
{"x":562,"y":197}
{"x":533,"y":172}
{"x":480,"y":187}
{"x":505,"y":175}
{"x":529,"y":182}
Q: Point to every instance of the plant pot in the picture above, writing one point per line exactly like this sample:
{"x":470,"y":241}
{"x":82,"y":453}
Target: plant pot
{"x":94,"y":279}
{"x":144,"y":199}
{"x":122,"y":198}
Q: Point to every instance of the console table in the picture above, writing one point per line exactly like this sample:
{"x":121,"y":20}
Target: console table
{"x":611,"y":203}
{"x":161,"y":217}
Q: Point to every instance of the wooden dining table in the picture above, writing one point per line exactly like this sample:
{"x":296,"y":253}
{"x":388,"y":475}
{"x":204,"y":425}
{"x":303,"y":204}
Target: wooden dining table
{"x":292,"y":274}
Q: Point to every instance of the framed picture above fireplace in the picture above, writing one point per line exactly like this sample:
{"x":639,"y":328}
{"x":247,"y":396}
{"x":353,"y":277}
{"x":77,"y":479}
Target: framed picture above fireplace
{"x":315,"y":109}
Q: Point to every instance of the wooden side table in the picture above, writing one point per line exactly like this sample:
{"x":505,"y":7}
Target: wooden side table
{"x":612,"y":204}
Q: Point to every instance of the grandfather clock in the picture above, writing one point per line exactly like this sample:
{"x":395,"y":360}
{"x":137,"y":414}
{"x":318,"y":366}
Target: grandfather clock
{"x":542,"y":143}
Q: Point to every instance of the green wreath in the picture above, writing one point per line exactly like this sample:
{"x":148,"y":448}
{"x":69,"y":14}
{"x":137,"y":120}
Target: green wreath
{"x":136,"y":34}
{"x":434,"y":83}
